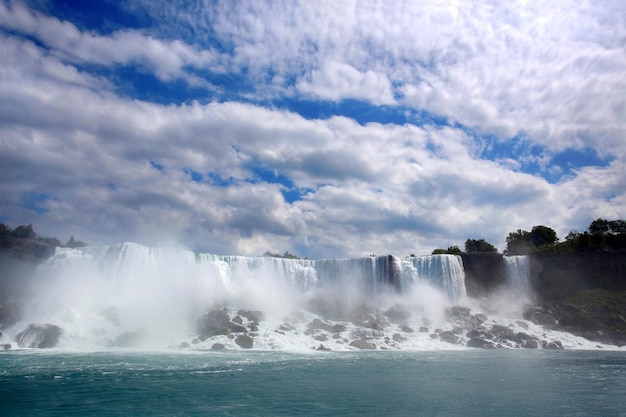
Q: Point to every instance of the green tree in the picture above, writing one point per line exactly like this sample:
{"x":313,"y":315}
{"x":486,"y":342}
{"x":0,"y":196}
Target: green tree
{"x":480,"y":245}
{"x":519,"y":243}
{"x":454,"y":250}
{"x":542,"y":236}
{"x":24,"y":232}
{"x":599,"y":226}
{"x":4,"y":230}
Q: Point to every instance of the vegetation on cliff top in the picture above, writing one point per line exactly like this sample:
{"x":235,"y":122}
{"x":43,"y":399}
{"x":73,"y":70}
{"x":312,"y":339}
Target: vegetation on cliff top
{"x":601,"y":236}
{"x":23,"y":243}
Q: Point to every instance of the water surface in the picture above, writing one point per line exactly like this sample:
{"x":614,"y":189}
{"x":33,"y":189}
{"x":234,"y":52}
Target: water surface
{"x":247,"y":383}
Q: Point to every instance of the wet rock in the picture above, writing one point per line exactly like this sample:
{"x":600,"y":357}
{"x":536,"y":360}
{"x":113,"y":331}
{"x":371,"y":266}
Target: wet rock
{"x":219,"y":346}
{"x":215,"y":323}
{"x":5,"y":346}
{"x":338,"y":328}
{"x":321,"y":337}
{"x":323,"y":348}
{"x":237,"y":320}
{"x":378,"y":323}
{"x":362,"y":344}
{"x":500,"y":331}
{"x":479,"y":318}
{"x":477,"y":342}
{"x":365,"y":333}
{"x":449,"y":337}
{"x":318,"y":324}
{"x":538,"y":315}
{"x":422,"y":329}
{"x":184,"y":345}
{"x":398,"y":337}
{"x":407,"y":329}
{"x":244,"y":341}
{"x":39,"y":336}
{"x":555,"y":344}
{"x":254,"y":316}
{"x":531,"y":344}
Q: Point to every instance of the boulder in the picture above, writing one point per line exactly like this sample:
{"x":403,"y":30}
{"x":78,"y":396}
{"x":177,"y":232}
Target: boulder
{"x":218,"y":346}
{"x":500,"y":331}
{"x":244,"y":341}
{"x":449,"y":337}
{"x":39,"y":336}
{"x":378,"y":323}
{"x":338,"y":328}
{"x":479,"y":318}
{"x":362,"y":344}
{"x":531,"y":344}
{"x":407,"y":329}
{"x":217,"y":322}
{"x":323,"y":348}
{"x":422,"y":329}
{"x":5,"y":346}
{"x":397,"y":337}
{"x":318,"y":324}
{"x":555,"y":344}
{"x":254,"y":316}
{"x":477,"y":342}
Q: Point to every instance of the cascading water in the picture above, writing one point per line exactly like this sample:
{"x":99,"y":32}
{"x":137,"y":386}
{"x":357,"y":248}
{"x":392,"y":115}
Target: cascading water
{"x":518,"y":276}
{"x":132,"y":295}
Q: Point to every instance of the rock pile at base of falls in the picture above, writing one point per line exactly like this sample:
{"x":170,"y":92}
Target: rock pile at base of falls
{"x":241,"y":327}
{"x":39,"y":336}
{"x":368,"y":329}
{"x":595,"y":314}
{"x":474,"y":332}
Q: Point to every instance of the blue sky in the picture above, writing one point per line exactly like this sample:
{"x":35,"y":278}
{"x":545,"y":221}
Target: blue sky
{"x":327,"y":129}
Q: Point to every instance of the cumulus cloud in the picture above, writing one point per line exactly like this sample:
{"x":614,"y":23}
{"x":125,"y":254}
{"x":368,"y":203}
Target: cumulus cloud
{"x":76,"y":158}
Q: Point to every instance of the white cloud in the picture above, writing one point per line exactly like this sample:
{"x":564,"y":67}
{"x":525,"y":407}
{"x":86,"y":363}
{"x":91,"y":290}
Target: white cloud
{"x":166,"y":59}
{"x":374,"y":188}
{"x":336,"y":81}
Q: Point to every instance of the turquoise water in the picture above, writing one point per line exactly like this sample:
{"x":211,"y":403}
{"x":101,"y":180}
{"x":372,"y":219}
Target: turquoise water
{"x":244,"y":383}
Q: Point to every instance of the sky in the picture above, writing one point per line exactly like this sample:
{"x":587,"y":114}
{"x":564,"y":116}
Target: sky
{"x":322,"y":128}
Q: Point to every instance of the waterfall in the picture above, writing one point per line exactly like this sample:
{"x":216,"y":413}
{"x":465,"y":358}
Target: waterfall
{"x":444,"y":272}
{"x":102,"y":293}
{"x":131,"y":269}
{"x":518,"y":275}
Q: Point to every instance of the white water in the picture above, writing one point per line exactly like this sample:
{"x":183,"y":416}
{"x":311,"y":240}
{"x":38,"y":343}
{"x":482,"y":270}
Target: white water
{"x":96,"y":294}
{"x":518,"y":276}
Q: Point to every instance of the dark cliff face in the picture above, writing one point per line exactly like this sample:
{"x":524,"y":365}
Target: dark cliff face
{"x":581,"y":293}
{"x":558,"y":276}
{"x":554,"y":276}
{"x":484,"y":272}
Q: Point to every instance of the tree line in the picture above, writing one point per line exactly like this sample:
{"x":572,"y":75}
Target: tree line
{"x":27,"y":232}
{"x":601,"y":236}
